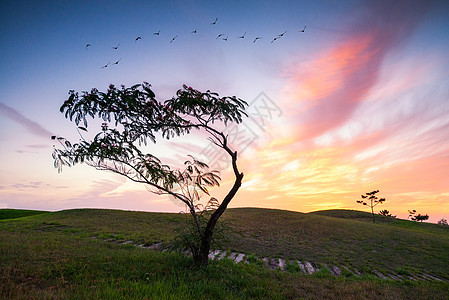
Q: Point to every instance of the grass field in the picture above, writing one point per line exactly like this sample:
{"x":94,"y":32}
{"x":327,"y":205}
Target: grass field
{"x":53,"y":256}
{"x":18,"y":213}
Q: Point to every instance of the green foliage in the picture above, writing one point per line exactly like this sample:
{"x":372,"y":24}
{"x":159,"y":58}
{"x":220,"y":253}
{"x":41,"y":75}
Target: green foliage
{"x":323,"y":273}
{"x":293,"y":268}
{"x":137,"y":116}
{"x":251,"y":258}
{"x":187,"y":237}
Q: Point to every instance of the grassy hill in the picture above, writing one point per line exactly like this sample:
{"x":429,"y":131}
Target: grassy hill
{"x":342,"y":236}
{"x":53,"y":255}
{"x":7,"y":213}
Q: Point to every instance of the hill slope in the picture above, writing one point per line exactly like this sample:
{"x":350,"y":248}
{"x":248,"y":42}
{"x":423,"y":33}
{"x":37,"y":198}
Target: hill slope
{"x":7,"y":213}
{"x":348,"y":238}
{"x":53,"y":255}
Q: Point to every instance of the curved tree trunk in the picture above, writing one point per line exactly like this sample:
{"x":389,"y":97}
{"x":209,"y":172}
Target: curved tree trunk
{"x":203,"y":254}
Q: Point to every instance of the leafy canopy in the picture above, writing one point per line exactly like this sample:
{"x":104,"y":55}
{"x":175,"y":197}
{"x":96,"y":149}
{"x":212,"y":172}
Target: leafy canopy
{"x":137,"y":116}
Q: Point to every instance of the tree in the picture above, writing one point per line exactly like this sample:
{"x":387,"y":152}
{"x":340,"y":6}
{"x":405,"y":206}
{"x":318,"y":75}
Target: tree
{"x":417,"y":217}
{"x":137,"y":118}
{"x":443,"y":221}
{"x":372,"y":201}
{"x":386,"y":213}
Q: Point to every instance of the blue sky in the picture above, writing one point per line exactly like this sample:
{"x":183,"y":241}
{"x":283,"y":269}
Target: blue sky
{"x":363,"y":93}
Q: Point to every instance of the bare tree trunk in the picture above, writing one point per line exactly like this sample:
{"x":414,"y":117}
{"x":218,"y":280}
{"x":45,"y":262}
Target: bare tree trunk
{"x":206,"y":239}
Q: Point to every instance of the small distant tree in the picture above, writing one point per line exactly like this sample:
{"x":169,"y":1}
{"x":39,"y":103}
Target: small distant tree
{"x":417,"y":217}
{"x":386,"y":213}
{"x":371,"y":200}
{"x":443,"y":221}
{"x":411,"y":214}
{"x":137,"y":117}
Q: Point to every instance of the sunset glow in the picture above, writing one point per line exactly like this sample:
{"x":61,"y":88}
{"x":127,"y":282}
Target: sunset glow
{"x":362,"y":99}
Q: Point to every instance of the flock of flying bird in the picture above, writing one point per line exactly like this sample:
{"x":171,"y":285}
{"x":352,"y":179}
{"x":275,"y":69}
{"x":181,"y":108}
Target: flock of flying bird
{"x":221,"y":36}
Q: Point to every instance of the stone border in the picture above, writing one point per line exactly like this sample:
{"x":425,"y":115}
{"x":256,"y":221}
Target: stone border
{"x":305,"y":267}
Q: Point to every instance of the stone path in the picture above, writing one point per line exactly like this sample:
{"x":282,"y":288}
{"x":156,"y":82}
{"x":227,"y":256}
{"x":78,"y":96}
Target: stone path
{"x":304,"y":267}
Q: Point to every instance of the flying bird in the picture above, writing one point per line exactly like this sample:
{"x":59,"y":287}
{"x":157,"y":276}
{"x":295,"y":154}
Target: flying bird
{"x":194,"y":31}
{"x":116,"y":47}
{"x":106,"y":65}
{"x":88,"y":45}
{"x":243,"y":36}
{"x":214,"y":22}
{"x":304,"y":29}
{"x":225,"y":38}
{"x":257,"y":38}
{"x":157,"y":33}
{"x":137,"y":38}
{"x":173,"y":39}
{"x":278,"y":37}
{"x":116,"y":63}
{"x":282,"y":34}
{"x":219,"y":36}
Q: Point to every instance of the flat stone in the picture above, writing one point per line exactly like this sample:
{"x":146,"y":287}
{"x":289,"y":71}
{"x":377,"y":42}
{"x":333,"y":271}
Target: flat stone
{"x":265,"y":261}
{"x":432,"y":277}
{"x":336,"y":270}
{"x":239,"y":258}
{"x":222,"y":255}
{"x":357,"y":272}
{"x":379,"y":274}
{"x":347,"y":269}
{"x":126,"y":242}
{"x":301,"y":266}
{"x":333,"y":269}
{"x":421,"y":277}
{"x":232,"y":256}
{"x":393,"y":276}
{"x":282,"y":264}
{"x":400,"y":277}
{"x":415,"y":277}
{"x":309,"y":267}
{"x":155,"y":246}
{"x":213,"y":254}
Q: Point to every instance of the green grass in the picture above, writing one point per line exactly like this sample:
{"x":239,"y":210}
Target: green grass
{"x":354,"y":241}
{"x":53,"y":256}
{"x":7,"y":213}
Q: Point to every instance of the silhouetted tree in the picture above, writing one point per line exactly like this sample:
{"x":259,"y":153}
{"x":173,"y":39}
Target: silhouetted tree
{"x":443,"y":221}
{"x":386,"y":213}
{"x":137,"y":117}
{"x":417,"y":217}
{"x":371,"y":201}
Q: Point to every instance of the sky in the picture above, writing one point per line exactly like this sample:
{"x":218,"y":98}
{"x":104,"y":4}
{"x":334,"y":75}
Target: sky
{"x":346,"y":97}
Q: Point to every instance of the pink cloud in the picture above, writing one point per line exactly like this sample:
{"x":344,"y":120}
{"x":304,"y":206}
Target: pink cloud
{"x":325,"y":91}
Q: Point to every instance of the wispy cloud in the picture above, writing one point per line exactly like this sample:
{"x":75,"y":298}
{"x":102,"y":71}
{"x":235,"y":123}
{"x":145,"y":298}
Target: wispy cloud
{"x":326,"y":91}
{"x":31,"y":187}
{"x":31,"y":126}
